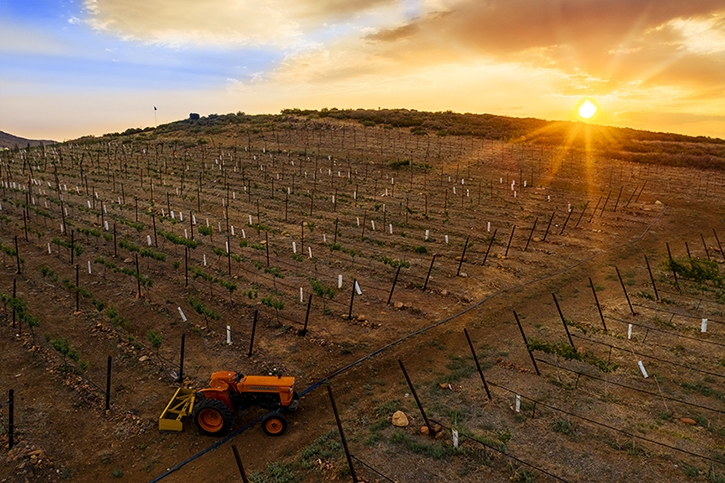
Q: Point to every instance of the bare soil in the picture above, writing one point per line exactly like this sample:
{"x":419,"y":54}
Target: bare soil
{"x":595,"y":419}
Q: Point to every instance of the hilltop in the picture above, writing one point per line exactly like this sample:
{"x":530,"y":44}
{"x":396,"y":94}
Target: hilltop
{"x":10,"y":141}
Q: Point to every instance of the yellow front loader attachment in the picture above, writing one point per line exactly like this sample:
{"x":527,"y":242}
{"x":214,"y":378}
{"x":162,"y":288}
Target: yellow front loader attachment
{"x":182,"y":404}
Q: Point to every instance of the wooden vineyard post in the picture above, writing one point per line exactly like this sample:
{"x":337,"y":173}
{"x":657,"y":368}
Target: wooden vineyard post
{"x":78,"y":291}
{"x":181,"y":359}
{"x":478,"y":366}
{"x":342,"y":435}
{"x":303,"y":332}
{"x":395,"y":280}
{"x":513,"y":229}
{"x":229,"y":255}
{"x":640,"y":191}
{"x":186,"y":266}
{"x":625,"y":291}
{"x":531,"y":234}
{"x":431,"y":433}
{"x":490,"y":244}
{"x":153,"y":220}
{"x":582,"y":214}
{"x":352,"y":299}
{"x":427,"y":277}
{"x":618,"y":196}
{"x":25,"y":225}
{"x":11,"y":418}
{"x":463,"y":255}
{"x":595,"y":209}
{"x":362,"y":234}
{"x":302,"y":237}
{"x":657,"y":297}
{"x":718,"y":243}
{"x":266,"y":245}
{"x":15,"y":294}
{"x":254,"y":329}
{"x":239,"y":464}
{"x":115,"y":246}
{"x":526,"y":343}
{"x":705,"y":246}
{"x":599,"y":307}
{"x":138,"y":277}
{"x":191,"y":223}
{"x":566,"y":221}
{"x":337,"y":220}
{"x":563,"y":321}
{"x":17,"y":255}
{"x":72,"y":245}
{"x":605,"y":203}
{"x":108,"y":383}
{"x":546,"y":233}
{"x":672,"y":265}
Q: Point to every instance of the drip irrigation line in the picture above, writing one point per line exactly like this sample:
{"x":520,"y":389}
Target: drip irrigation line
{"x":371,"y":468}
{"x":720,"y":411}
{"x":648,"y":356}
{"x":418,"y":332}
{"x":597,"y":423}
{"x":674,"y":334}
{"x":510,"y":456}
{"x":680,"y":315}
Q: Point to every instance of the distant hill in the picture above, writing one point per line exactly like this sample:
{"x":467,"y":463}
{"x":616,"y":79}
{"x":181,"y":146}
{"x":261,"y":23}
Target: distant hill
{"x":11,"y":142}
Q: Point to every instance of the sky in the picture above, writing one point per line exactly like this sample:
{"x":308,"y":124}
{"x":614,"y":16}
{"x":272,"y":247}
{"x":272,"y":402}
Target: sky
{"x":70,"y":68}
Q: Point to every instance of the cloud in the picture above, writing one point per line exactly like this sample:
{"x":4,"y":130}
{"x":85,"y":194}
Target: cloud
{"x":596,"y":36}
{"x":223,"y":22}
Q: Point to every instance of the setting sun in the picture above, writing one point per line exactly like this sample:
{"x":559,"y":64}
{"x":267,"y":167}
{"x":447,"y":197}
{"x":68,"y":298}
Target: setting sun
{"x":587,"y":109}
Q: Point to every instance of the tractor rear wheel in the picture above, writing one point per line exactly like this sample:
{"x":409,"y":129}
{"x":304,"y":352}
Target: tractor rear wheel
{"x":274,"y":424}
{"x":212,"y":417}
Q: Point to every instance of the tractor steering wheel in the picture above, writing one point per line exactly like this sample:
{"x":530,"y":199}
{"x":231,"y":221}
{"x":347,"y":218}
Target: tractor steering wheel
{"x":238,"y":376}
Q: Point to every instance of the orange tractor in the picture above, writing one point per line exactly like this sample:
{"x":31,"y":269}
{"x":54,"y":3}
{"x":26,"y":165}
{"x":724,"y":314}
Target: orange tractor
{"x":231,"y":392}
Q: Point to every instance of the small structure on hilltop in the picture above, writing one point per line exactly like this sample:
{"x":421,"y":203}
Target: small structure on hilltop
{"x":193,"y":116}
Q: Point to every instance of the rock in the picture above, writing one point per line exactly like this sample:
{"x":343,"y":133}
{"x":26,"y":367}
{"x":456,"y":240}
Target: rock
{"x":143,"y":358}
{"x":400,"y":420}
{"x":127,"y":260}
{"x":689,"y":421}
{"x":467,"y":298}
{"x":537,"y":239}
{"x":398,"y":305}
{"x":424,"y":430}
{"x":658,"y":202}
{"x":444,"y":292}
{"x":361,"y":318}
{"x":440,"y":434}
{"x":463,"y":275}
{"x":458,"y":258}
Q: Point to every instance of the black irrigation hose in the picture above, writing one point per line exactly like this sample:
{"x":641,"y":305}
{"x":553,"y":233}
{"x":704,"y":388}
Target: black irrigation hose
{"x":673,"y":334}
{"x":648,"y":356}
{"x":371,"y":468}
{"x":413,"y":334}
{"x":541,"y":470}
{"x":720,"y":411}
{"x":597,"y":423}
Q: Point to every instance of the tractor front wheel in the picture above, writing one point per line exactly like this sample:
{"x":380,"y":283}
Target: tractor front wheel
{"x":212,"y":417}
{"x":274,"y":424}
